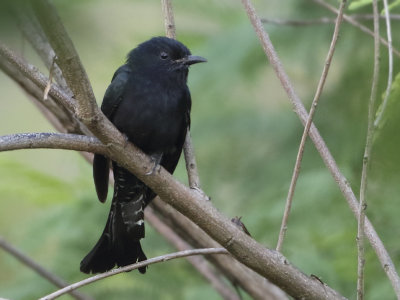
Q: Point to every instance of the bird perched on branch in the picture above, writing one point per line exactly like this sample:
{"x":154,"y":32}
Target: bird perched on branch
{"x":148,"y":101}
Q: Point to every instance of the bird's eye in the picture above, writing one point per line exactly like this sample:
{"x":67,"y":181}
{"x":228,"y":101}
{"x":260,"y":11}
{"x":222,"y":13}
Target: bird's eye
{"x":164,"y":55}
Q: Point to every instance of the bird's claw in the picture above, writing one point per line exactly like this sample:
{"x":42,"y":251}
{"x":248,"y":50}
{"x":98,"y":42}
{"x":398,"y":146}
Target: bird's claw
{"x":156,"y":159}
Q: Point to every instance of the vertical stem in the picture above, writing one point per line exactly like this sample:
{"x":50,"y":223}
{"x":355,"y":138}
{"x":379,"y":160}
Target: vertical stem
{"x":313,"y":108}
{"x":169,"y":22}
{"x":366,"y":158}
{"x":188,"y":150}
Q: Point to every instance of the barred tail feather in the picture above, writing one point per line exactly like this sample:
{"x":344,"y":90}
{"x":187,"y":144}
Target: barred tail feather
{"x":120,"y":242}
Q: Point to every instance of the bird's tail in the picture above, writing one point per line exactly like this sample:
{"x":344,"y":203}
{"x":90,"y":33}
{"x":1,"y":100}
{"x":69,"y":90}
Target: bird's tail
{"x":120,"y":242}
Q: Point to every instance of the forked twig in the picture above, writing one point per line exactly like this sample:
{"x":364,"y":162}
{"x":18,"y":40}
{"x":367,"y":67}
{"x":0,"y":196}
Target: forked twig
{"x":147,"y":262}
{"x":314,"y":104}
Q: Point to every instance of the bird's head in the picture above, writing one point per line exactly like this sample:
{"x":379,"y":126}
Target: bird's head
{"x":163,"y":55}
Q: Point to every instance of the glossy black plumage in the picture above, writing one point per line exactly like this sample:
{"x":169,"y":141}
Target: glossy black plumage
{"x":148,"y":100}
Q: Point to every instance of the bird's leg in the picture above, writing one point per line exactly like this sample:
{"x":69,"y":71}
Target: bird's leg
{"x":155,"y":159}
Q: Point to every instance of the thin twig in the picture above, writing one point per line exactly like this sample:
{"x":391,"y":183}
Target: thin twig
{"x":199,"y":262}
{"x":366,"y":158}
{"x":27,"y":261}
{"x":313,"y":108}
{"x":390,"y":76}
{"x":340,"y":179}
{"x":147,"y":262}
{"x":319,"y":21}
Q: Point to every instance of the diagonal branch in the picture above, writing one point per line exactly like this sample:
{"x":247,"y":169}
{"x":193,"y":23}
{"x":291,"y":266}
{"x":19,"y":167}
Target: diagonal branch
{"x":375,"y":241}
{"x":58,"y":282}
{"x":307,"y":126}
{"x":135,"y":266}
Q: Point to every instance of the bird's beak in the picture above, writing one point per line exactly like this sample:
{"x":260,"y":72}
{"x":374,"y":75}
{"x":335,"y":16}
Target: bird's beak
{"x":192,"y":59}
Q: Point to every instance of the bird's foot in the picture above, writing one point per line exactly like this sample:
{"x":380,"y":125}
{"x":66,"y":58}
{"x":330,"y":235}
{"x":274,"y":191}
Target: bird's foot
{"x":126,"y":140}
{"x":155,"y":159}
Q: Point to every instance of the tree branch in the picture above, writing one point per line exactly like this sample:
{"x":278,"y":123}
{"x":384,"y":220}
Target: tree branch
{"x":314,"y":104}
{"x":27,"y":261}
{"x":376,"y":243}
{"x":52,"y":141}
{"x":135,"y":266}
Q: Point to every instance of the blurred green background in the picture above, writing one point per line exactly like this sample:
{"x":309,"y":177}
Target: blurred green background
{"x":246,"y":139}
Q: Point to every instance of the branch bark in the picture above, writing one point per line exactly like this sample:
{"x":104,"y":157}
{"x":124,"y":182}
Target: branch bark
{"x":340,"y":179}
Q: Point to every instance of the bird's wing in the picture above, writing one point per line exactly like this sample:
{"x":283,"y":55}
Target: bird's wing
{"x":114,"y":93}
{"x":111,"y":101}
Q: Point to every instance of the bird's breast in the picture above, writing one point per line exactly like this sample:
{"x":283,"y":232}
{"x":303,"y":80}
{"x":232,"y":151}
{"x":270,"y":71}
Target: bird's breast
{"x":153,"y":119}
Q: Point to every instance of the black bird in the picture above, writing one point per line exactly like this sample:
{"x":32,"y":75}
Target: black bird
{"x":148,"y":101}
